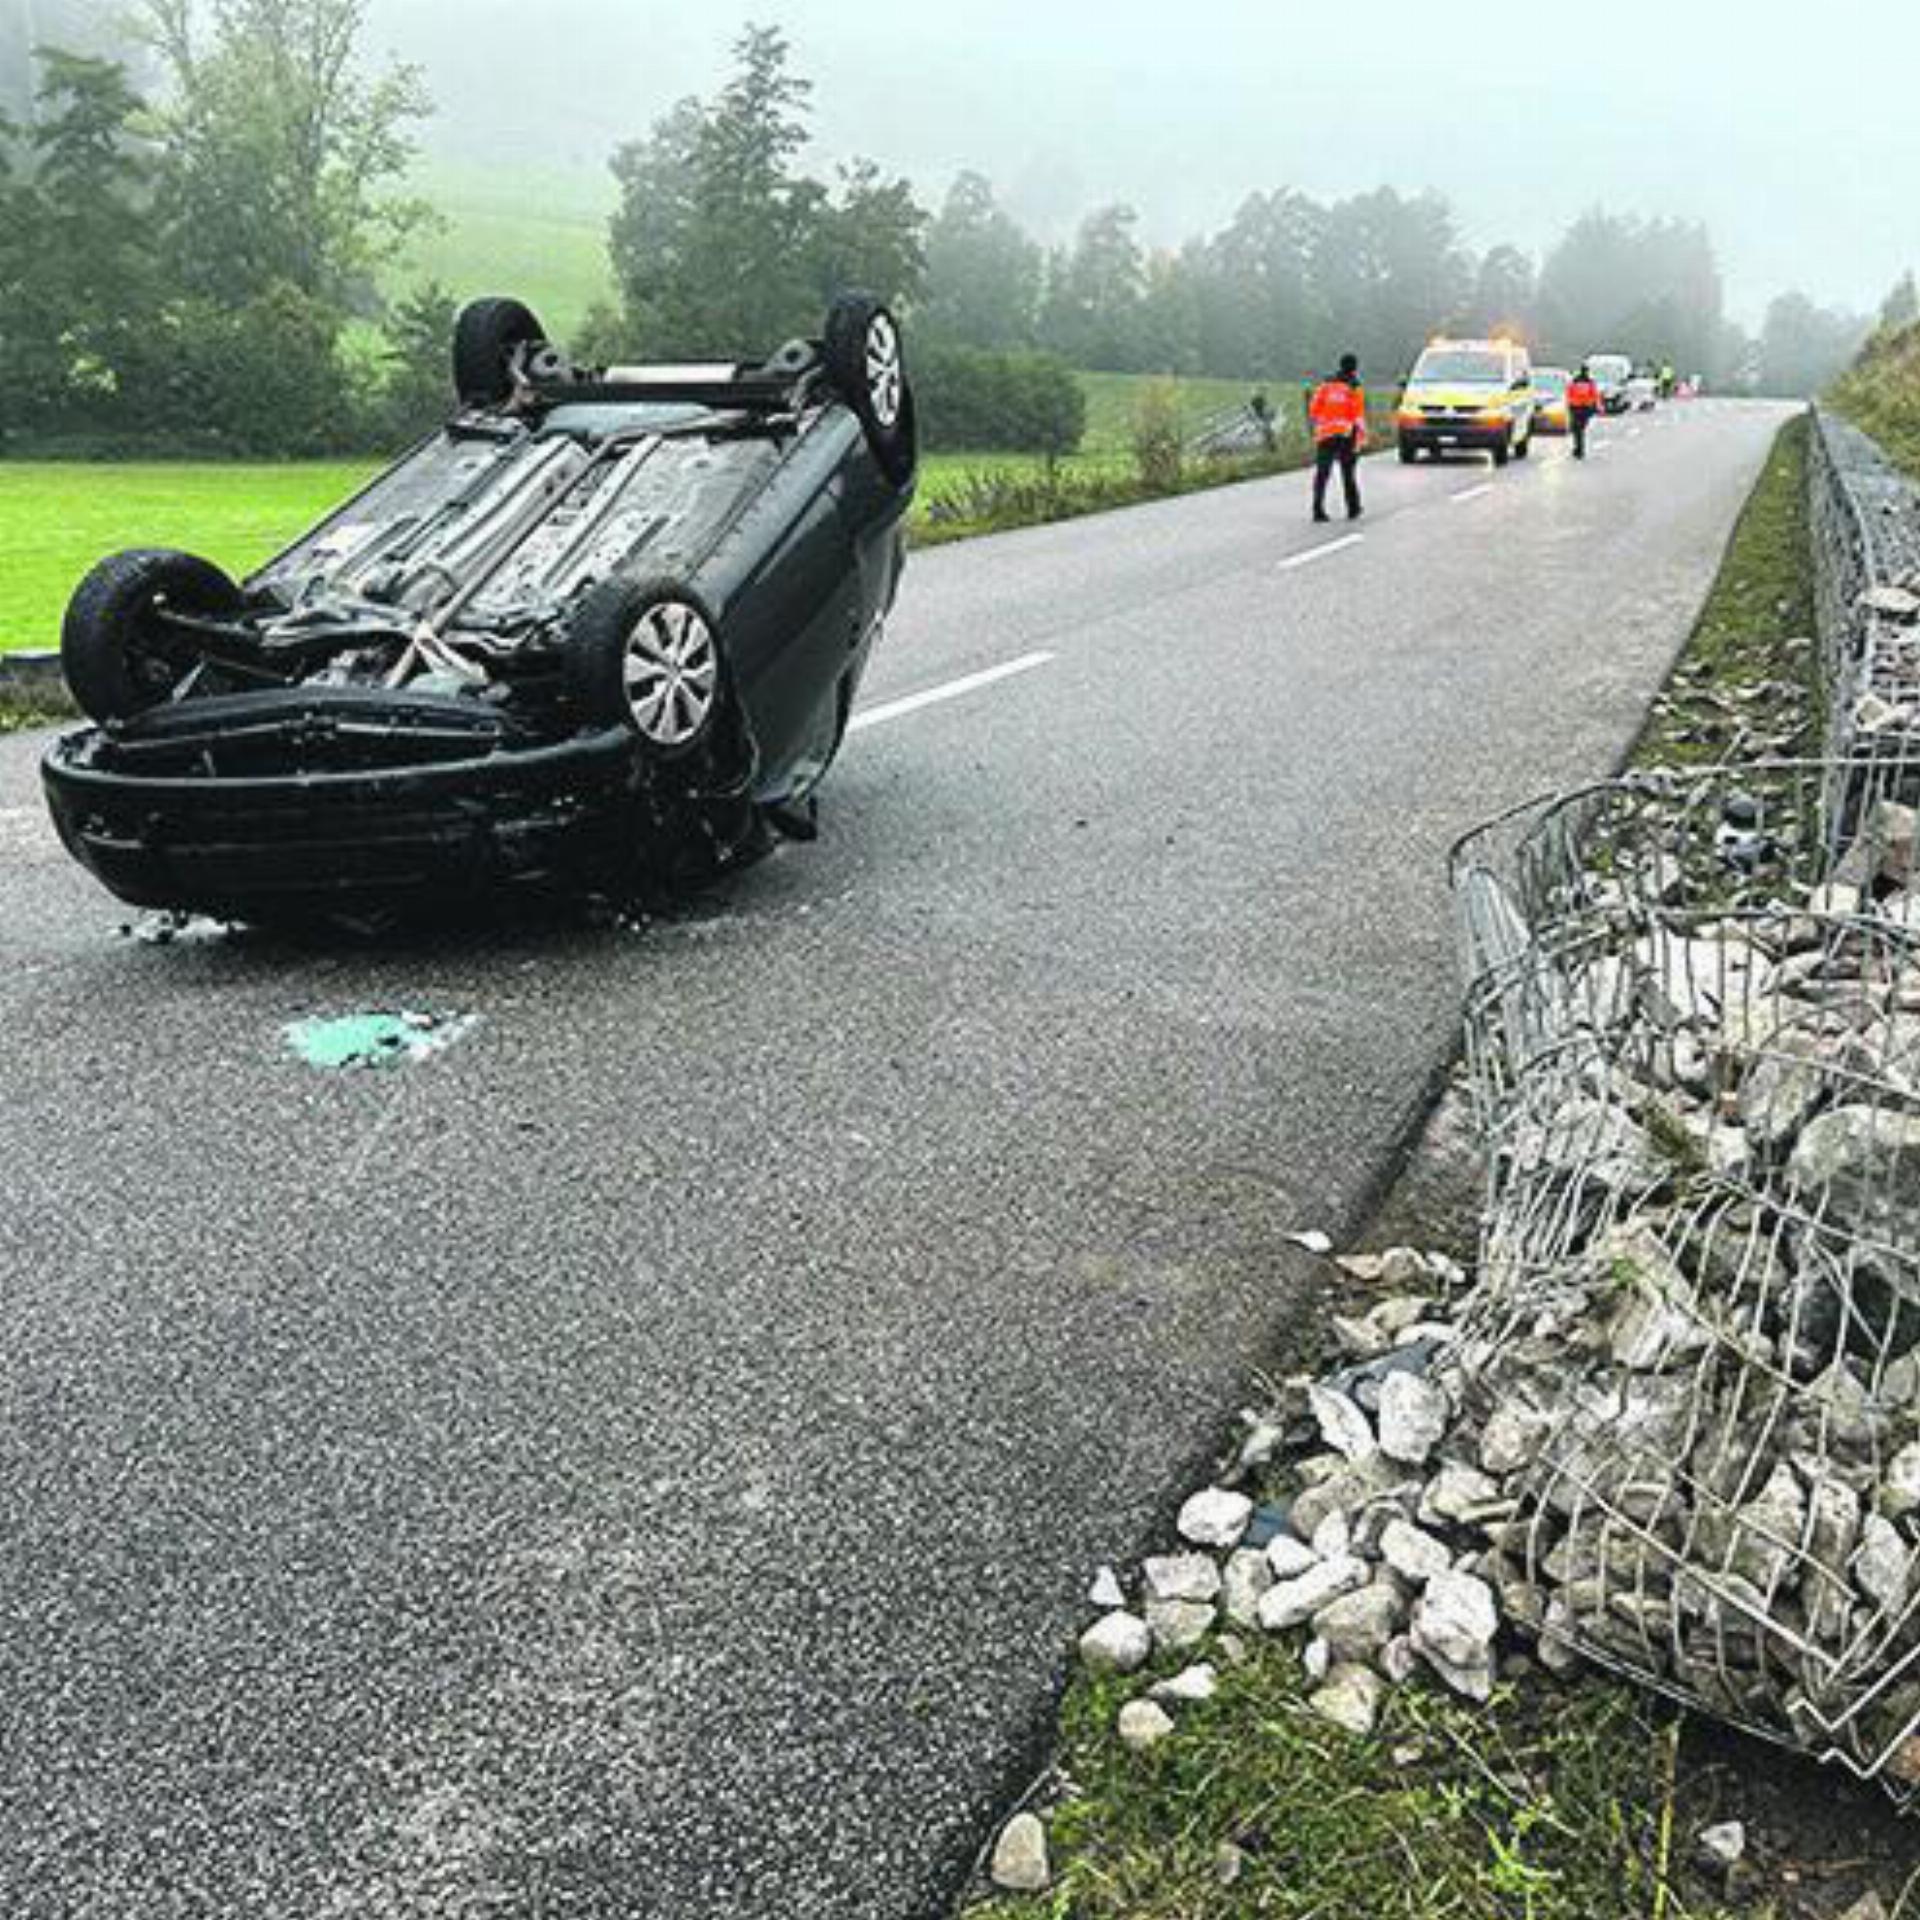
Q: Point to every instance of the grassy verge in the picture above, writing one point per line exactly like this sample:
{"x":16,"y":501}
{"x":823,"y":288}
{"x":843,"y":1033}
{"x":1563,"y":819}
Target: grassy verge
{"x":1547,"y":1808}
{"x":1880,"y":394}
{"x":1749,"y":685}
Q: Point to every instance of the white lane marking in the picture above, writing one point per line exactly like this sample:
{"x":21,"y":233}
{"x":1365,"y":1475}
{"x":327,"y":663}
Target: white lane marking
{"x":1471,"y":493}
{"x":1320,"y":553}
{"x":952,"y":690}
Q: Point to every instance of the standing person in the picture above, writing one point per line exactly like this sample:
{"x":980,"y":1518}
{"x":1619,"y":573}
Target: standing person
{"x":1583,"y":402}
{"x":1338,"y":411}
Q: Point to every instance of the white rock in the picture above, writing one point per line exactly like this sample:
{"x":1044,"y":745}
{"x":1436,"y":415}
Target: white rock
{"x":1361,"y":1266}
{"x":1144,"y":1724}
{"x":1292,"y":1603}
{"x":1413,"y":1418}
{"x":1181,"y":1576}
{"x":1511,"y":1438}
{"x":1455,"y":1620}
{"x":1106,"y":1593}
{"x":1248,"y":1576}
{"x":1178,"y":1624}
{"x":1358,"y":1626}
{"x":1883,"y":1567}
{"x":1215,"y":1518}
{"x":1404,"y":1267}
{"x":1118,"y":1643}
{"x":1288,"y":1558}
{"x":1900,"y":1483}
{"x":1723,"y":1846}
{"x":1314,"y":1242}
{"x":1342,"y":1425}
{"x":1317,"y":1662}
{"x":1351,"y":1699}
{"x":1020,"y":1862}
{"x":1413,"y":1553}
{"x":1186,"y":1689}
{"x":1400,"y":1662}
{"x":1463,"y":1496}
{"x":1333,"y":1537}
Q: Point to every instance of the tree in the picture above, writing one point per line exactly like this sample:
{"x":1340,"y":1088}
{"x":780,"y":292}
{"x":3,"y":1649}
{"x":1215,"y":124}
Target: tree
{"x":1261,"y":311}
{"x":720,"y":241}
{"x":1803,"y":347}
{"x":1503,"y":293}
{"x":1650,"y":289}
{"x":1901,"y":307}
{"x":1091,"y":317}
{"x":78,"y":274}
{"x":281,"y":153}
{"x":1391,"y":272}
{"x":983,"y":272}
{"x":416,"y":379}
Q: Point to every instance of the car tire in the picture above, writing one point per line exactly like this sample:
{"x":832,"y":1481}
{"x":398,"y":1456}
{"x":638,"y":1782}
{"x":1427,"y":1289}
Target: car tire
{"x":117,"y":660}
{"x":1502,"y":450}
{"x":868,"y":370}
{"x":645,"y":655}
{"x":487,"y":338}
{"x":1521,"y":448}
{"x":1408,"y":455}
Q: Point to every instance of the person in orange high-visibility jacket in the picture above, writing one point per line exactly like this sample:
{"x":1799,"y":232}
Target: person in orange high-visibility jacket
{"x":1584,"y":402}
{"x":1338,"y":412}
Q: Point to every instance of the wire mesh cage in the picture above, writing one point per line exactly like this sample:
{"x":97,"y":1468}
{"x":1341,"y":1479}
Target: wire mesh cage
{"x":1694,"y":1031}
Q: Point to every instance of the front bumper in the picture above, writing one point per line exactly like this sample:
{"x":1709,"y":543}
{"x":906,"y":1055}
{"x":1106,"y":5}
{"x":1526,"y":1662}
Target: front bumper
{"x":1470,"y":435}
{"x":301,"y":804}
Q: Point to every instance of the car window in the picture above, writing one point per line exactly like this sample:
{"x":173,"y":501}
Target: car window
{"x":1463,"y":366}
{"x":1550,"y":379}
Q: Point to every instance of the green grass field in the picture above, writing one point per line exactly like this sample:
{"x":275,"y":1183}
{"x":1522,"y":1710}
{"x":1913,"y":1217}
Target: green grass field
{"x":57,"y":518}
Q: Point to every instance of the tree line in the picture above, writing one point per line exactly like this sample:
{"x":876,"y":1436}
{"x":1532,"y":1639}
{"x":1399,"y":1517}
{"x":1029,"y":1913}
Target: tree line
{"x":197,"y":261}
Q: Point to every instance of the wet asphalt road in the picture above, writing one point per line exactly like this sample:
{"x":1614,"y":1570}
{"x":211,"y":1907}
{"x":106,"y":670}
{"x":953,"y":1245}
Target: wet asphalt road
{"x":647,"y":1460}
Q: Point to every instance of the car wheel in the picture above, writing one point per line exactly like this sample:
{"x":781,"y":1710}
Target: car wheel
{"x":118,"y":655}
{"x":1524,"y":447}
{"x":867,"y":366}
{"x":1408,"y":454}
{"x":1502,"y":450}
{"x":645,"y":655}
{"x":488,"y":339}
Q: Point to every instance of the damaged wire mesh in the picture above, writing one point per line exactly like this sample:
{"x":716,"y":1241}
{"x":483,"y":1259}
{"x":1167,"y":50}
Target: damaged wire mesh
{"x":1694,"y":1029}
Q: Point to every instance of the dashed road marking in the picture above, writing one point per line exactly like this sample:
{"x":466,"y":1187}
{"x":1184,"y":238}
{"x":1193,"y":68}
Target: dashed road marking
{"x":1320,"y":553}
{"x":949,"y":690}
{"x":1471,"y":493}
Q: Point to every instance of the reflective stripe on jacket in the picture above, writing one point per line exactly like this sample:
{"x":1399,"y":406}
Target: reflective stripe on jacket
{"x":1339,"y":408}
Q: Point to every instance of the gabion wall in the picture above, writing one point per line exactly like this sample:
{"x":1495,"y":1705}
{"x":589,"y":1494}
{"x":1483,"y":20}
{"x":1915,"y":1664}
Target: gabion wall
{"x":1694,"y":1024}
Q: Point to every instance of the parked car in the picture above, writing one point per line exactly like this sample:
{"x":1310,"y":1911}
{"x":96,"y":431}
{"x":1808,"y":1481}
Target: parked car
{"x":1643,"y":391}
{"x":1475,"y":395}
{"x":609,"y":622}
{"x":1551,"y":413}
{"x":1611,"y":373}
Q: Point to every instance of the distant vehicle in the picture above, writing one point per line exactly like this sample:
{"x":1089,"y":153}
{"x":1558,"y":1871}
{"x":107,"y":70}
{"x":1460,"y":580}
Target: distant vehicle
{"x":1476,"y":395}
{"x":1643,"y":392}
{"x":1551,"y":413}
{"x":1611,"y":373}
{"x":606,"y":626}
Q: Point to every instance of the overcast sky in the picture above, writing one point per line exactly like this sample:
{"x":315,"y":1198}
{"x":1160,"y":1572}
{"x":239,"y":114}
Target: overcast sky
{"x":1788,"y":127}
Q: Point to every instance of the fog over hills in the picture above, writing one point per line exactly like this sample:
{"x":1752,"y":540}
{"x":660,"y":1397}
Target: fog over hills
{"x":1756,"y":117}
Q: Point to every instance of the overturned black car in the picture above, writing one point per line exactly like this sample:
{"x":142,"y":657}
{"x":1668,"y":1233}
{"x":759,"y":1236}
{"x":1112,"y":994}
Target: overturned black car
{"x":606,"y":627}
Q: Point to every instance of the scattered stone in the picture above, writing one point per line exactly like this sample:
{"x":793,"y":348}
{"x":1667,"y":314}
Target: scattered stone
{"x":1350,"y":1698}
{"x":1020,"y":1860}
{"x":1404,"y":1267}
{"x":1118,"y":1643}
{"x":1178,"y":1624}
{"x":1181,"y":1576}
{"x":1106,"y":1593}
{"x":1723,"y":1847}
{"x":1144,"y":1724}
{"x":1342,"y":1425}
{"x":1414,"y":1415}
{"x":1314,"y":1242}
{"x":1333,"y":1537}
{"x":1229,"y":1863}
{"x":1883,"y":1568}
{"x":1454,"y":1623}
{"x":1288,"y":1558}
{"x":1414,"y":1554}
{"x":1463,"y":1496}
{"x":1357,"y":1627}
{"x":1248,"y":1577}
{"x":1189,"y":1688}
{"x":1292,"y":1603}
{"x":1215,"y":1518}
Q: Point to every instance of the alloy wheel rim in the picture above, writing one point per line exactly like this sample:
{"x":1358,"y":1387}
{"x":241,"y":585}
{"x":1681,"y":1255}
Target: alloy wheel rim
{"x":672,"y":674}
{"x":884,"y":380}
